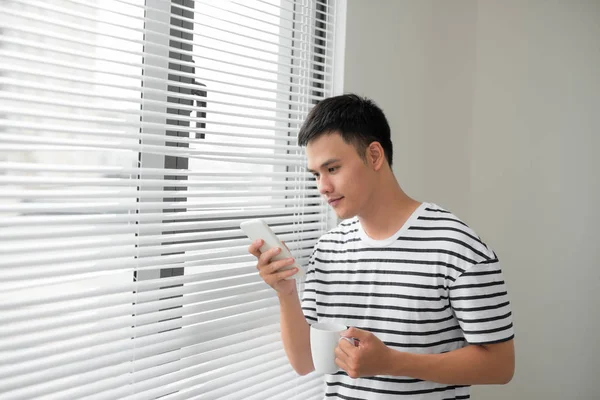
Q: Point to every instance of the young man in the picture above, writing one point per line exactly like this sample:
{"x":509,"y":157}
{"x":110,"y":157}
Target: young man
{"x":422,"y":293}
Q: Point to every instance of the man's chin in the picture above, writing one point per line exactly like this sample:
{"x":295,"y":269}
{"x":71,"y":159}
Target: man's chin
{"x":343,"y":214}
{"x":340,"y":210}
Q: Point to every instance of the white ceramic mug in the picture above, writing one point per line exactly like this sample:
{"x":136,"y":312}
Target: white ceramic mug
{"x":324,"y":338}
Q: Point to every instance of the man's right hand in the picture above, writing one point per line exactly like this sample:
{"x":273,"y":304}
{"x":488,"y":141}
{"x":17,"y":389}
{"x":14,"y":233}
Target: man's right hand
{"x":269,"y":271}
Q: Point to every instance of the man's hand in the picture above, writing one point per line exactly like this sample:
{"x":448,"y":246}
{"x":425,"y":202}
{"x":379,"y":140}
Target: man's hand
{"x":269,"y":270}
{"x":369,"y":358}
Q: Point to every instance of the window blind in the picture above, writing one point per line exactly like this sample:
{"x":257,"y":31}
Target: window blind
{"x":135,"y":136}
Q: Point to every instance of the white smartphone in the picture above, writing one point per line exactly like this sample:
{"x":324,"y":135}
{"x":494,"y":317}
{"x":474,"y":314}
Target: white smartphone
{"x":258,"y":229}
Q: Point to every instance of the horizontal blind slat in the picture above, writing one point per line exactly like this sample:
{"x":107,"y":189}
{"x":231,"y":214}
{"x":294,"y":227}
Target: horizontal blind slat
{"x":47,"y":248}
{"x":30,"y":46}
{"x":77,"y":269}
{"x":123,"y":123}
{"x":74,"y":231}
{"x":161,"y":311}
{"x":32,"y":373}
{"x":82,"y":383}
{"x":70,"y":352}
{"x":67,"y":195}
{"x":279,"y":15}
{"x":148,"y":183}
{"x":138,"y":101}
{"x":297,"y":390}
{"x":41,"y":74}
{"x":294,"y":2}
{"x":225,"y":385}
{"x":29,"y":99}
{"x":269,"y":387}
{"x":11,"y":299}
{"x":189,"y":388}
{"x":141,"y":171}
{"x":132,"y":206}
{"x":119,"y":330}
{"x":41,"y":127}
{"x":110,"y":303}
{"x":86,"y":218}
{"x":91,"y":17}
{"x":232,"y":373}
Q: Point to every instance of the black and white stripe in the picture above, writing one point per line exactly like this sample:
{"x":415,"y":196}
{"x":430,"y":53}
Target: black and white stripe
{"x":433,"y":287}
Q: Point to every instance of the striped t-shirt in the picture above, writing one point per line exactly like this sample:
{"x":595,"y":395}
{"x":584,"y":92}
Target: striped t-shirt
{"x":432,"y":287}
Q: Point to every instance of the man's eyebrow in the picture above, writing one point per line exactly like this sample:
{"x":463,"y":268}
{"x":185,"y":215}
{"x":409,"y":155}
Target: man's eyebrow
{"x":326,"y":163}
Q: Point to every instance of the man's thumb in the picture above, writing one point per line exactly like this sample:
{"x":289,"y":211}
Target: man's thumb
{"x":355,"y":333}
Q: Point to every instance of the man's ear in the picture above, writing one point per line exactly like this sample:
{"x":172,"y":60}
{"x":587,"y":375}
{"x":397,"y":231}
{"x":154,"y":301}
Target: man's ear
{"x":375,"y":155}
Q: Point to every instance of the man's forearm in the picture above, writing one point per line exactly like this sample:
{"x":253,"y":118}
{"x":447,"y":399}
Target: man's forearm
{"x":471,"y":365}
{"x":295,"y":333}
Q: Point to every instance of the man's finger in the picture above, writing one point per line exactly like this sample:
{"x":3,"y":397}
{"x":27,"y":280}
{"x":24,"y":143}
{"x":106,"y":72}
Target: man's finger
{"x":285,"y":274}
{"x":342,"y":364}
{"x":341,"y":353}
{"x":347,"y":345}
{"x":277,"y":265}
{"x":254,"y":248}
{"x":273,"y":267}
{"x":356,"y":333}
{"x":267,"y":255}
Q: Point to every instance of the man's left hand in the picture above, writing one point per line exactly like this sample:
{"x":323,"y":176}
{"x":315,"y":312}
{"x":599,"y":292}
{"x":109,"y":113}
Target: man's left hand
{"x":370,"y":357}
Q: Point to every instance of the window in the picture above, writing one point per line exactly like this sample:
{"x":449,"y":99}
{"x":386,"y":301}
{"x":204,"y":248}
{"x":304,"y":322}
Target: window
{"x":135,"y":136}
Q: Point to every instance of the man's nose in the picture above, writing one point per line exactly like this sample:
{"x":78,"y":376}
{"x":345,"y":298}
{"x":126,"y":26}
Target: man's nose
{"x":324,"y":186}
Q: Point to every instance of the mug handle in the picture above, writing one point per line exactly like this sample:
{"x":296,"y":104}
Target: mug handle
{"x":351,"y":340}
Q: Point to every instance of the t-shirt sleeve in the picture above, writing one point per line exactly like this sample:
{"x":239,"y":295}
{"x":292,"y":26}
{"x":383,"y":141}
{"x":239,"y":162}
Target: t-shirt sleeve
{"x":309,"y":291}
{"x":480,"y":302}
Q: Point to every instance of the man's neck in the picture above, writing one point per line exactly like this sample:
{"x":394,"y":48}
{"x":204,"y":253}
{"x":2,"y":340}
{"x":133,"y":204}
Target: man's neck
{"x":390,"y":208}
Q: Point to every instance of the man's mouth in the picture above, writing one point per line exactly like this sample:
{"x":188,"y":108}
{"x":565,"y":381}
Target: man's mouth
{"x":335,"y":201}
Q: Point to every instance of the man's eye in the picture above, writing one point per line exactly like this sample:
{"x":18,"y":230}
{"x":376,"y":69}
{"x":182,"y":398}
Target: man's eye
{"x":332,"y":169}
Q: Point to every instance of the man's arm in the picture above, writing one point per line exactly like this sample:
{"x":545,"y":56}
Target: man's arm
{"x":470,"y":365}
{"x":295,"y":331}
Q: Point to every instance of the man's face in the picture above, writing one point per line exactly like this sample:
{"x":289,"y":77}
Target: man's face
{"x":343,"y":177}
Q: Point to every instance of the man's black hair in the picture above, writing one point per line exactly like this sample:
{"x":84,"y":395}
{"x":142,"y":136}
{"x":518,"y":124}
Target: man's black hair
{"x":357,"y":119}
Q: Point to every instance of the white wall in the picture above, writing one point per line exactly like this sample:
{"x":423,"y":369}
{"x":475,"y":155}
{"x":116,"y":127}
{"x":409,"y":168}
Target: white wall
{"x":495,"y":108}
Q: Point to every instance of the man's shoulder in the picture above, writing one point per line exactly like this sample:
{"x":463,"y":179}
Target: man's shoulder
{"x":434,"y":216}
{"x":437,"y":222}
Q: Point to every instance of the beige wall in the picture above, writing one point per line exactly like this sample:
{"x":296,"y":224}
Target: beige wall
{"x":395,"y":54}
{"x":495,"y":109}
